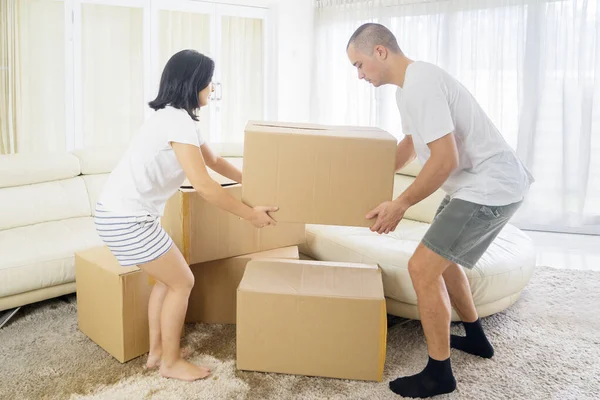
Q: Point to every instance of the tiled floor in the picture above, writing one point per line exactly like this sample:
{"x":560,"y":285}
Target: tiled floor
{"x":567,"y":251}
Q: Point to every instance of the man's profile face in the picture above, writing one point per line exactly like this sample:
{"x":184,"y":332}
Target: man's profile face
{"x":369,"y":67}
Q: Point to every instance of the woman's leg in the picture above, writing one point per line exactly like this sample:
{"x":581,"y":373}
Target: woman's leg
{"x":172,"y":270}
{"x":157,"y":297}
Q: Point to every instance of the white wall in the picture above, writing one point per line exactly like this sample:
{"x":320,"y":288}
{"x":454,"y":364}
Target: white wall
{"x":293,"y":31}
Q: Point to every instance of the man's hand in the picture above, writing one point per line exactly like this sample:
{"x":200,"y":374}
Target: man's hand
{"x":389,"y":214}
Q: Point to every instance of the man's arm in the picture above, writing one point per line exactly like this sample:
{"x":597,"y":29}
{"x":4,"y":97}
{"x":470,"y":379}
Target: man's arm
{"x":441,"y":163}
{"x":405,"y":152}
{"x":220,"y":165}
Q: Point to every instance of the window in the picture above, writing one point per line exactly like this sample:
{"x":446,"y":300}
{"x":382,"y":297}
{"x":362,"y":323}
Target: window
{"x":87,"y":69}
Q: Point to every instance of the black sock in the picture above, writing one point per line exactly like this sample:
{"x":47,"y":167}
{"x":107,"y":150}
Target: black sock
{"x":474,"y":342}
{"x":435,"y":379}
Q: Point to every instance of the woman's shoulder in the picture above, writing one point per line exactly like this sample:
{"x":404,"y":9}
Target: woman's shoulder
{"x":170,"y":117}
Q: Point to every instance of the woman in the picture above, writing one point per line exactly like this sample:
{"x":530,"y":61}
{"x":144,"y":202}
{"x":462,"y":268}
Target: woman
{"x":167,"y":149}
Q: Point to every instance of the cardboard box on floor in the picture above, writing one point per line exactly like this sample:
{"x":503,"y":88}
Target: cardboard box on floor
{"x":112,"y":303}
{"x":318,"y":174}
{"x":204,"y":232}
{"x":312,"y":318}
{"x":213,"y":298}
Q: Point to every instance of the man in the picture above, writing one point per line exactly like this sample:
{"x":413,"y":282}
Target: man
{"x":463,"y":153}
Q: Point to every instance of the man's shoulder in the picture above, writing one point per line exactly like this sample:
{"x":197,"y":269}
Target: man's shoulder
{"x":420,"y":72}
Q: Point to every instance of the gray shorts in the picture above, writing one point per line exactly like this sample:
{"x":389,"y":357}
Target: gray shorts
{"x":462,"y":231}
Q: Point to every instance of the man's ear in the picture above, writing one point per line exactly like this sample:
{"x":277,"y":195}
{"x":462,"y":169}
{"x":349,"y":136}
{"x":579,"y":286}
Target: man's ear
{"x":381,"y":52}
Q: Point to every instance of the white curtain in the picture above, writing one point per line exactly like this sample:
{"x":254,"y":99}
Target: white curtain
{"x":10,"y":72}
{"x":112,"y":74}
{"x":32,"y":82}
{"x":42,"y":49}
{"x":240,"y":89}
{"x":534,"y":66}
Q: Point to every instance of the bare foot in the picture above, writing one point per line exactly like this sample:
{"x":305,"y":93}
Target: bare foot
{"x":154,"y":357}
{"x":153,"y":360}
{"x":184,"y":371}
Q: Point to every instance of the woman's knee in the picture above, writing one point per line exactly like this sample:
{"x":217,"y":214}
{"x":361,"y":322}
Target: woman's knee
{"x":183,"y":282}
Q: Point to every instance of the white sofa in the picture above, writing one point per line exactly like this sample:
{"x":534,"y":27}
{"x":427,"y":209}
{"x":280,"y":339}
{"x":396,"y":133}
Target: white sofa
{"x":46,"y":215}
{"x":496,"y":281}
{"x":47,"y":206}
{"x":46,"y":209}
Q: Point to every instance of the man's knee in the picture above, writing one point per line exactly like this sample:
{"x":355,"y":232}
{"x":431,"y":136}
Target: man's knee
{"x":417,"y":269}
{"x":425,"y":270}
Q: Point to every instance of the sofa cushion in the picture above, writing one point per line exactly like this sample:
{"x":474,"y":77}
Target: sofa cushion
{"x":43,"y":202}
{"x":412,"y":169}
{"x":26,"y":169}
{"x":502,"y":272}
{"x":42,"y":255}
{"x":423,"y":211}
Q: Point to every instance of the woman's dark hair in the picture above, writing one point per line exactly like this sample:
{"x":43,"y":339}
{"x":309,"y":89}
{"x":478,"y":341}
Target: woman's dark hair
{"x":186,"y":74}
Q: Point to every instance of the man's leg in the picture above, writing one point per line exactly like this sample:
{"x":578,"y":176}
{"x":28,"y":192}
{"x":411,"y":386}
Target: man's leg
{"x":475,"y":342}
{"x":426,"y":269}
{"x":459,"y":291}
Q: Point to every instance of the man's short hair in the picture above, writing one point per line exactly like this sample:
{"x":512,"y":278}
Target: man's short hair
{"x":369,"y":35}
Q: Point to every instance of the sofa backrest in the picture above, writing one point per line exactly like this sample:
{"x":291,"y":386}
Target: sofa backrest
{"x":96,"y":164}
{"x":36,"y":188}
{"x":99,"y":160}
{"x":27,"y":169}
{"x":423,"y":211}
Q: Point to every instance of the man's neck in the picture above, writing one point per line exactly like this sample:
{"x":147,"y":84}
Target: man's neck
{"x":399,"y":73}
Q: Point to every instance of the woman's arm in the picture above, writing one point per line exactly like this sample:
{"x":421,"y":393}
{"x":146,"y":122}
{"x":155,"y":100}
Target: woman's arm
{"x":191,"y":160}
{"x":220,"y":165}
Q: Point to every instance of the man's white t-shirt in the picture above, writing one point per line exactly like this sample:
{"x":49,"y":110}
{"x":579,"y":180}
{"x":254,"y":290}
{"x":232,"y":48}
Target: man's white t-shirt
{"x":432,"y":104}
{"x":149,"y":172}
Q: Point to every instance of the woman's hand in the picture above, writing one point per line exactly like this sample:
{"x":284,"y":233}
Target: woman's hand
{"x":260,"y":216}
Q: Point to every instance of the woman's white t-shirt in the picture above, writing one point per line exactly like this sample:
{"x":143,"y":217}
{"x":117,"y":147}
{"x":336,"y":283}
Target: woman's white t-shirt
{"x":149,"y":172}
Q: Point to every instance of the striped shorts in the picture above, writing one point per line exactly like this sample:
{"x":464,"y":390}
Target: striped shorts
{"x":133,"y":240}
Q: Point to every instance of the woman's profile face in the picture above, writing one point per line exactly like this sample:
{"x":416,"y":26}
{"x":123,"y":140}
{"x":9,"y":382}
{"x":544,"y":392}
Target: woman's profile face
{"x":204,"y":94}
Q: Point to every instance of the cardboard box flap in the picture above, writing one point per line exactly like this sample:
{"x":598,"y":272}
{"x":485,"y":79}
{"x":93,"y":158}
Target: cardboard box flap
{"x":103,"y":258}
{"x":305,"y":125}
{"x":290,"y":252}
{"x":279,"y":128}
{"x":313,"y":278}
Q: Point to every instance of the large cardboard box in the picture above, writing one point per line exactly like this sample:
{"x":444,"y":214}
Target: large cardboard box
{"x":204,"y":232}
{"x":312,"y":318}
{"x":213,"y":298}
{"x":318,"y":174}
{"x":112,"y":303}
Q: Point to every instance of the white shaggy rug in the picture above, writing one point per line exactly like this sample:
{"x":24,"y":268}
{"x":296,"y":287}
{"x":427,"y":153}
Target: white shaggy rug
{"x":547,"y":347}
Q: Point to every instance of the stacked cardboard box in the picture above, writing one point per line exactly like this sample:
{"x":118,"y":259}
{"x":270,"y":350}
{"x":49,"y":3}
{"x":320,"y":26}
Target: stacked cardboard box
{"x":218,"y":245}
{"x":299,"y":317}
{"x":312,"y":318}
{"x":303,"y":317}
{"x":213,"y":298}
{"x":112,"y":303}
{"x":318,"y":174}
